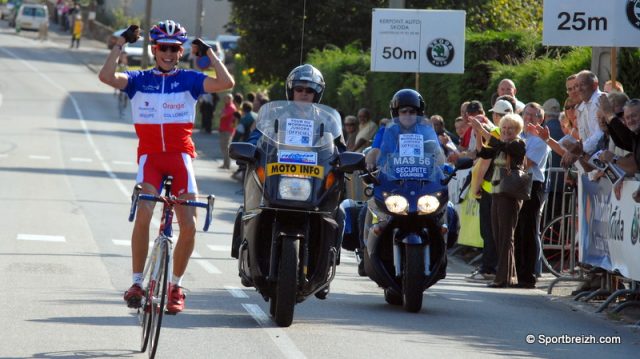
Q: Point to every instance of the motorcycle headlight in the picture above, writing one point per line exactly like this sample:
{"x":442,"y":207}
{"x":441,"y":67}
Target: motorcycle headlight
{"x":396,"y":204}
{"x":428,"y":204}
{"x":294,"y":189}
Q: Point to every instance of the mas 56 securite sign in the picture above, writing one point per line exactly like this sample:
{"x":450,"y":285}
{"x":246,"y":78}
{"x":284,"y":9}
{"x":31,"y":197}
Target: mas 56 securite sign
{"x":418,"y":40}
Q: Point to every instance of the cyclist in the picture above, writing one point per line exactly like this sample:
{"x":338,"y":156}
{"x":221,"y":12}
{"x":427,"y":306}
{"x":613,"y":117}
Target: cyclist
{"x":163,"y":103}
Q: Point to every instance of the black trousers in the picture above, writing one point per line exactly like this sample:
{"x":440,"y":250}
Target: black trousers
{"x":526,"y":235}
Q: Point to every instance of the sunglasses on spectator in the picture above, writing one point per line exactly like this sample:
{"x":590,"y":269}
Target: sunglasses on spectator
{"x":165,"y":48}
{"x":349,"y":124}
{"x":632,"y":102}
{"x":407,"y":111}
{"x":308,"y":90}
{"x":570,"y":107}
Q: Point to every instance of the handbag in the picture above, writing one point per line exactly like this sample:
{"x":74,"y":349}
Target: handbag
{"x":515,"y":183}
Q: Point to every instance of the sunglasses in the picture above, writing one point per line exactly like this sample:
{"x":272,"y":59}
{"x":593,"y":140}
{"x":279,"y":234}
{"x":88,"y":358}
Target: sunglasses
{"x":571,"y":107}
{"x":633,"y":102}
{"x":165,"y":48}
{"x":349,"y":124}
{"x":308,"y":90}
{"x":408,"y":111}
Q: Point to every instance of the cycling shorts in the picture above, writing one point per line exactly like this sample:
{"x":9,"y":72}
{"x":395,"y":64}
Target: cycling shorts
{"x":154,"y":167}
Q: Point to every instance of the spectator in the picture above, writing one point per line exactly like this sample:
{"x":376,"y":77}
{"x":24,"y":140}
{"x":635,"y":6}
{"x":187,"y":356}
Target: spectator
{"x":207,"y":108}
{"x":588,"y":128}
{"x":237,"y":99}
{"x":573,"y":89}
{"x":626,"y":136}
{"x":350,"y":131}
{"x":226,"y":129}
{"x":251,"y":96}
{"x":527,"y":233}
{"x":246,"y":123}
{"x":76,"y":34}
{"x":506,"y":152}
{"x":507,"y":87}
{"x":366,"y":130}
{"x":610,"y":86}
{"x":551,"y":109}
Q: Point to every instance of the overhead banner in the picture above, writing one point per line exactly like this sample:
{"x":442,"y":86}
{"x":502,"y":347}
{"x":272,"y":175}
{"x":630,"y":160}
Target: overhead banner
{"x":603,"y":23}
{"x":609,"y":227}
{"x":427,"y":41}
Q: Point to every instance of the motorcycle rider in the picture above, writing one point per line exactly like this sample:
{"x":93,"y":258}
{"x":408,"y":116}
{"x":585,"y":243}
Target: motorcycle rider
{"x":407,"y":109}
{"x":304,"y":83}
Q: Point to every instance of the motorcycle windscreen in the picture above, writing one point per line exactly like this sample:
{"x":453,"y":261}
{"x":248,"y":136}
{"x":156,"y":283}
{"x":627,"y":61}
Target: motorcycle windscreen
{"x":298,"y":124}
{"x":410,"y":150}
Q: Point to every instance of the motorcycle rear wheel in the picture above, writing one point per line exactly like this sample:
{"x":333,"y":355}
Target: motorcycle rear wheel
{"x":287,"y":284}
{"x":413,"y":278}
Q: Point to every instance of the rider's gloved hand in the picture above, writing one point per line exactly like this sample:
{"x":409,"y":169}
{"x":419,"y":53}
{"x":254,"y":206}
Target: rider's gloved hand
{"x":201,"y":47}
{"x":131,"y":34}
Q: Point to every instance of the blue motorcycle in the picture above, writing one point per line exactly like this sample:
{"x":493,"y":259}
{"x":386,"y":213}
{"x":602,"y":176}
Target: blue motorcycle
{"x":407,"y":223}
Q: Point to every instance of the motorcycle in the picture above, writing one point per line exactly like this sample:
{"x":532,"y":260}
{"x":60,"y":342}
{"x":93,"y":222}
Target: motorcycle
{"x":286,"y":238}
{"x":406,"y":225}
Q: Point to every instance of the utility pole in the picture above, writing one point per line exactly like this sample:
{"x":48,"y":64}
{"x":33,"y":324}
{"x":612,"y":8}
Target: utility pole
{"x":146,"y":26}
{"x":199,"y":18}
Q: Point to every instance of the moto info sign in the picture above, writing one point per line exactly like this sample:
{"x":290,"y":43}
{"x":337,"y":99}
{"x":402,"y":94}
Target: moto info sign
{"x":418,"y":40}
{"x":605,"y":23}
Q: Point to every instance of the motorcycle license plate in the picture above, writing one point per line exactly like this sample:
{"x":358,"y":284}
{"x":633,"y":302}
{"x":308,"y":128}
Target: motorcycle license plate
{"x":295,"y":169}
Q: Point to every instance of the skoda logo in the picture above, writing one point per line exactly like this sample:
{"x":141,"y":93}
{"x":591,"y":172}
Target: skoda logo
{"x":440,"y":52}
{"x":633,"y":12}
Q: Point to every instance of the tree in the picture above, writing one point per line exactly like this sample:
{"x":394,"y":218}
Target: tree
{"x":272,"y":30}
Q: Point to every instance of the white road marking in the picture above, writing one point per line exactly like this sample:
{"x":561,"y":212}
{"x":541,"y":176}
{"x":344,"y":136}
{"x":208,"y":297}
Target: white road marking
{"x":219,"y":248}
{"x":348,"y":257}
{"x":126,"y":242}
{"x":39,"y":157}
{"x":80,"y":159}
{"x":236,"y":292}
{"x":83,"y":123}
{"x":210,"y":268}
{"x":123,"y":163}
{"x":277,"y":335}
{"x":40,"y":237}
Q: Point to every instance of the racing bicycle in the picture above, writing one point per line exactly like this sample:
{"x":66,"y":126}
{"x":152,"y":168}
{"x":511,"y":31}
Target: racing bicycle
{"x":157,"y":270}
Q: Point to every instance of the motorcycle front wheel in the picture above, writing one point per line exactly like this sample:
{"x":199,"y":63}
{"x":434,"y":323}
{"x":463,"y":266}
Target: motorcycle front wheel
{"x":413,"y":278}
{"x":286,"y":287}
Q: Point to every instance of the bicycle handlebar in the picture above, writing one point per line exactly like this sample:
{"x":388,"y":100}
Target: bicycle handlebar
{"x":172,"y":201}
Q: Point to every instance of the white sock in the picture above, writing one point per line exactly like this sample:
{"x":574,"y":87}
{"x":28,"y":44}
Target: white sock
{"x":137,"y":279}
{"x":176,"y":280}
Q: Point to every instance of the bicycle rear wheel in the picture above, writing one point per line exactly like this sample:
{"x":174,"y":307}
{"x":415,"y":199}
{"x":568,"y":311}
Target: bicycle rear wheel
{"x":158,"y":297}
{"x":559,"y":246}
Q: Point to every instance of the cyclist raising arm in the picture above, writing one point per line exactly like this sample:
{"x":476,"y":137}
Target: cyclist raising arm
{"x":163,"y":103}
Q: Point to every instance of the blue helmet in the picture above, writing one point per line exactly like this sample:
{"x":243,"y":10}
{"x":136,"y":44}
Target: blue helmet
{"x":406,"y":98}
{"x":168,"y":32}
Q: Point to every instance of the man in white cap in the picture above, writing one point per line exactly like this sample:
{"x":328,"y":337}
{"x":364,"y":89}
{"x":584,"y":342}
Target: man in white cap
{"x":499,"y":109}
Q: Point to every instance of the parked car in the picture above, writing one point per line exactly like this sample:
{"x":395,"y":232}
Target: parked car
{"x":217,"y":49}
{"x":134,"y":52}
{"x":32,"y":16}
{"x":6,"y":10}
{"x":228,"y":42}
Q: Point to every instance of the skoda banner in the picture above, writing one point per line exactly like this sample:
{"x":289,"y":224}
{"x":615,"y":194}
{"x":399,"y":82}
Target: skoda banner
{"x":430,"y":41}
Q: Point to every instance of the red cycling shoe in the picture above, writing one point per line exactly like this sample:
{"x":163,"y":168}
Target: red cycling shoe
{"x":175,"y":299}
{"x":133,"y":296}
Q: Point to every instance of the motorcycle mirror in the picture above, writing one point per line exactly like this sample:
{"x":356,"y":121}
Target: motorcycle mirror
{"x":242,"y":151}
{"x":464,"y":163}
{"x":351,"y":161}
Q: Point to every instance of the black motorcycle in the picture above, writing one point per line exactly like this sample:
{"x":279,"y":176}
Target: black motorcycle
{"x":406,"y":226}
{"x":286,"y":237}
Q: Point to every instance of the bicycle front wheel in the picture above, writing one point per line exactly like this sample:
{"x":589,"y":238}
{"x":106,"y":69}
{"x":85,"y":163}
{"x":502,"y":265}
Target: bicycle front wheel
{"x":559,"y":246}
{"x":158,"y":297}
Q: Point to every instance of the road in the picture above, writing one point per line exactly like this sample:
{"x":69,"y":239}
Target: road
{"x":67,"y":166}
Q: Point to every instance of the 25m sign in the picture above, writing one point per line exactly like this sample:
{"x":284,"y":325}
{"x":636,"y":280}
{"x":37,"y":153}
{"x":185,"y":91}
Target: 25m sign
{"x":611,"y":23}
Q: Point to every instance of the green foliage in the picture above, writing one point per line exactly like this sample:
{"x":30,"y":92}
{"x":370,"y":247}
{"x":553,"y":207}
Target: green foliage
{"x":116,"y":18}
{"x":629,"y":71}
{"x":272,"y":30}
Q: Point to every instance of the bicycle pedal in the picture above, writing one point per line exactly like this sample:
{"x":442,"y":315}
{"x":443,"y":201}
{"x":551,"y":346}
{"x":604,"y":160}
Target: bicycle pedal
{"x":170,"y":313}
{"x":134,"y":303}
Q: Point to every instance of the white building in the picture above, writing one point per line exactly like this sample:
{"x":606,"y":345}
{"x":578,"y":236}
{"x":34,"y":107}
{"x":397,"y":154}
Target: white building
{"x":216,"y":13}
